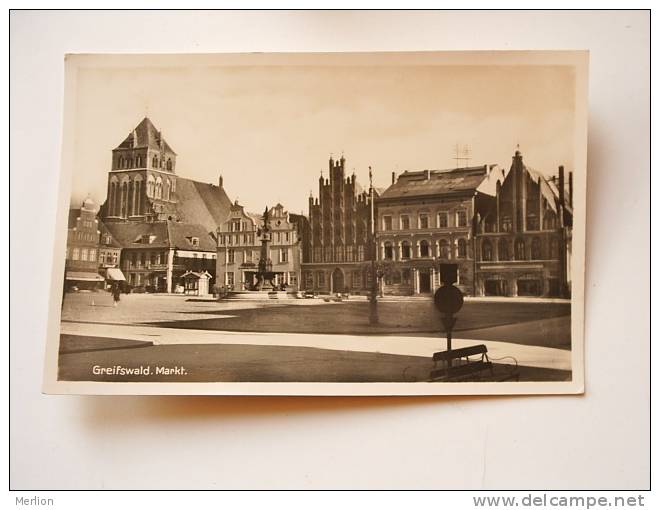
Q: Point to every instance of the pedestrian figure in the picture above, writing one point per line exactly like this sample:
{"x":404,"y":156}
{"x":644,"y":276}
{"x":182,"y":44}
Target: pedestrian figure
{"x":115,"y":294}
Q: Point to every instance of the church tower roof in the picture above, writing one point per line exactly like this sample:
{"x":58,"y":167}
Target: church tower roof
{"x":146,"y":135}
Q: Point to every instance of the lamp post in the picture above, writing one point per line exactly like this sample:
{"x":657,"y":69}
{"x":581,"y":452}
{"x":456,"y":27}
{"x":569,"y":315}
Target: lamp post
{"x":373,"y":303}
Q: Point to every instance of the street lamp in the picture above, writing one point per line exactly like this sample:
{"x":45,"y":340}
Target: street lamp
{"x":373,"y":303}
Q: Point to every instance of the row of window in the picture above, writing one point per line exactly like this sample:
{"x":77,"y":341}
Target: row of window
{"x":424,"y":250}
{"x":502,"y":250}
{"x":423,"y":221}
{"x":339,"y":253}
{"x":128,"y":162}
{"x":252,"y":256}
{"x":78,"y":235}
{"x":532,"y":223}
{"x":356,"y":279}
{"x":84,"y":254}
{"x":249,"y":239}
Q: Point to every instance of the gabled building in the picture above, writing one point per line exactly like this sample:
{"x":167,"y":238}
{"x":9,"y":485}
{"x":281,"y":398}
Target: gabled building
{"x":82,"y":248}
{"x":523,"y":234}
{"x":337,"y":240}
{"x":239,"y":248}
{"x":164,"y":224}
{"x":426,"y":218}
{"x":156,"y":255}
{"x":143,"y":185}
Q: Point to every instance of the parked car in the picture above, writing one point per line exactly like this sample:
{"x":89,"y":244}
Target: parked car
{"x":308,"y":294}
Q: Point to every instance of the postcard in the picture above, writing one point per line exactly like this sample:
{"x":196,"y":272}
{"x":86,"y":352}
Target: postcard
{"x":321,"y":224}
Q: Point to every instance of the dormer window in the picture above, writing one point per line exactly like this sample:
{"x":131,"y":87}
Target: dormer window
{"x":194,"y":241}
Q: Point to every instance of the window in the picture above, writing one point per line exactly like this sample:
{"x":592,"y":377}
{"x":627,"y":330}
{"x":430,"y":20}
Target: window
{"x":293,"y":278}
{"x":320,"y":278}
{"x":169,"y":164}
{"x":503,"y":250}
{"x":506,"y":223}
{"x":549,"y":221}
{"x":317,"y":254}
{"x":486,"y":251}
{"x":536,"y":249}
{"x":423,"y":221}
{"x":287,"y":237}
{"x":194,"y":241}
{"x":328,"y":254}
{"x":532,"y":222}
{"x":83,"y":254}
{"x":349,"y":253}
{"x":76,"y":254}
{"x":405,"y":250}
{"x":396,"y":278}
{"x":284,"y":255}
{"x":387,"y":222}
{"x":405,"y":222}
{"x":554,"y":249}
{"x":231,"y":256}
{"x":442,"y":220}
{"x":444,"y":249}
{"x":356,"y":279}
{"x":360,"y":253}
{"x":489,"y":223}
{"x":230,"y":278}
{"x":424,"y":249}
{"x":154,"y":162}
{"x":308,"y":277}
{"x":388,"y":251}
{"x":461,"y":219}
{"x":462,"y":248}
{"x":92,"y":255}
{"x":406,"y":276}
{"x":520,"y":249}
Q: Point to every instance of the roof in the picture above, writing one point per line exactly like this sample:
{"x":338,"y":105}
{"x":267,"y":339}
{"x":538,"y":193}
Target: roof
{"x":104,"y":231}
{"x":162,"y":234}
{"x":134,"y":235}
{"x":489,"y":185}
{"x":181,"y":234}
{"x":201,"y":203}
{"x":438,"y":182}
{"x":549,"y":189}
{"x":145,"y":134}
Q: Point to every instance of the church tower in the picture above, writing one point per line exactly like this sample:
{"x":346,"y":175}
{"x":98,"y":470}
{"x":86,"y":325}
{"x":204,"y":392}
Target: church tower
{"x":142,"y":180}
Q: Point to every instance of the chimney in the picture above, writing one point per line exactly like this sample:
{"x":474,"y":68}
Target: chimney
{"x":393,"y":177}
{"x":570,"y":189}
{"x":561,"y":185}
{"x":220,"y":181}
{"x":427,"y":174}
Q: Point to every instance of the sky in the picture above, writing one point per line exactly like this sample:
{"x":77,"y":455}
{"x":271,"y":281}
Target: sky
{"x":269,"y":130}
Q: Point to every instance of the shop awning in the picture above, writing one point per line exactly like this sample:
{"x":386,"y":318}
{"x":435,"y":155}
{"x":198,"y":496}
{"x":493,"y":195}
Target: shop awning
{"x":79,"y":276}
{"x":115,"y":274}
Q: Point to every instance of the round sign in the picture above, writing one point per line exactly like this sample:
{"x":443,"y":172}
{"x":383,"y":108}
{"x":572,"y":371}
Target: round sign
{"x":448,"y":299}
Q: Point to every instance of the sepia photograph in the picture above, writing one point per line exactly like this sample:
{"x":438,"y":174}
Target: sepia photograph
{"x":320,"y":224}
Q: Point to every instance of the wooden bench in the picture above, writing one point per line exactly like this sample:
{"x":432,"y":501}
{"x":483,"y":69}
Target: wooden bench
{"x":456,"y":364}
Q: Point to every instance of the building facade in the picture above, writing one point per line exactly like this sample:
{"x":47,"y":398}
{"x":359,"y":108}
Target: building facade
{"x":426,"y":218}
{"x":337,"y":244}
{"x":156,"y":255}
{"x":239,"y":248}
{"x":82,"y":248}
{"x":109,"y":250}
{"x":156,"y":225}
{"x":524,"y":235}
